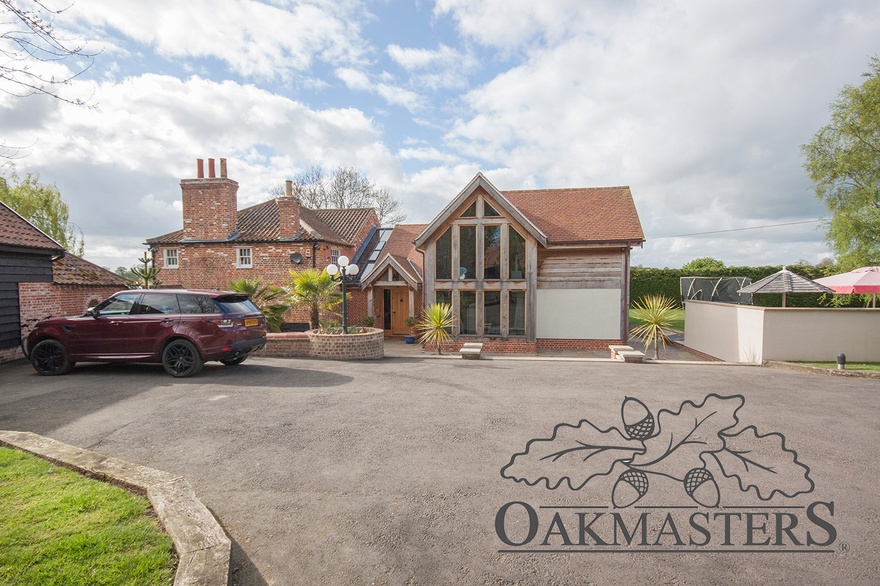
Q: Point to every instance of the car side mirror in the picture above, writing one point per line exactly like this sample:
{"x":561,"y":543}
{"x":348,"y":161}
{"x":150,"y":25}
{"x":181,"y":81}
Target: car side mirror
{"x":93,"y":311}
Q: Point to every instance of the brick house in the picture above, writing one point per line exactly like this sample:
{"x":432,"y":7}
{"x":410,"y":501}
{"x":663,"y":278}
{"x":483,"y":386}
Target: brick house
{"x":523,"y":270}
{"x":220,"y":243}
{"x":39,"y":280}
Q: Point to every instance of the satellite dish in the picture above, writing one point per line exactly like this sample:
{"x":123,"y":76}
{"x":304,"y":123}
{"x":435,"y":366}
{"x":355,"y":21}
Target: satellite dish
{"x":296,"y":258}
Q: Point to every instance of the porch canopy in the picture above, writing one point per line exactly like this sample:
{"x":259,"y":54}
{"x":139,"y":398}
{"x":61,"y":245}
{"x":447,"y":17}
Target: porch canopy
{"x":785,"y":282}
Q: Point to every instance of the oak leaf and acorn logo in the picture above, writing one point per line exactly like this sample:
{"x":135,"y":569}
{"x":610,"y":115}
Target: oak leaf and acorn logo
{"x":681,"y":445}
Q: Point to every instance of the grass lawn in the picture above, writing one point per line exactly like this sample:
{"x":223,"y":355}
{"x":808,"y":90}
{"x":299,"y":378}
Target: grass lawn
{"x":872,"y":366}
{"x":677,"y":319}
{"x":59,"y":527}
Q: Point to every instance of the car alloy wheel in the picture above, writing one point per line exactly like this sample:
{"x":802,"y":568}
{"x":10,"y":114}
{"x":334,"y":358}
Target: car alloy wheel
{"x":181,"y":359}
{"x":49,"y":358}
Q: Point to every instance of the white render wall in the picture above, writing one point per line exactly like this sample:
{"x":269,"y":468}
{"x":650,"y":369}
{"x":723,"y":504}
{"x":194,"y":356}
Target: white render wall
{"x":744,"y":333}
{"x":580,"y":314}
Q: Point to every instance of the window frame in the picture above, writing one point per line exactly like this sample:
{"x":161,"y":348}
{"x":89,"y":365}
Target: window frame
{"x":238,"y":257}
{"x":167,"y":255}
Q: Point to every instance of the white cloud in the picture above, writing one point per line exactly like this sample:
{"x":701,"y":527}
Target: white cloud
{"x":698,"y":106}
{"x":253,"y":38}
{"x":395,"y":95}
{"x":118,"y":165}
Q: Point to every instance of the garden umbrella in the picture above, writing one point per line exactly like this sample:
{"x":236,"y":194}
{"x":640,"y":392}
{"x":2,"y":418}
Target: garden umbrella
{"x":863,"y":280}
{"x":785,"y":282}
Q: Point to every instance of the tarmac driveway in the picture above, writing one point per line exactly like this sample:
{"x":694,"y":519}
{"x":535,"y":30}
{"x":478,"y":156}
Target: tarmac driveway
{"x":390,"y":472}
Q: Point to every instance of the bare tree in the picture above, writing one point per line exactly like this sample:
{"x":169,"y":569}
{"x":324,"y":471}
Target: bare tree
{"x":27,"y":39}
{"x":347,"y":187}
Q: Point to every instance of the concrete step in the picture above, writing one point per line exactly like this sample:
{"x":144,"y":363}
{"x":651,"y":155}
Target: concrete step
{"x":471,"y":351}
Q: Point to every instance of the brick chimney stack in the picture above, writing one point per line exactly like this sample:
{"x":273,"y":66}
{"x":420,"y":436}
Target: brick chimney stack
{"x":210,"y":204}
{"x":288,"y":212}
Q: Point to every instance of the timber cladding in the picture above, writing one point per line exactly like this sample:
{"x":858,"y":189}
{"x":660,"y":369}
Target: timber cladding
{"x":601,"y":269}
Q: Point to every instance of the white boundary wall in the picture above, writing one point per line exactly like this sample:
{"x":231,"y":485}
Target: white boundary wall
{"x":745,"y":333}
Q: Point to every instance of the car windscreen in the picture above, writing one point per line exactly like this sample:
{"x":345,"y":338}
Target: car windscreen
{"x":236,"y":304}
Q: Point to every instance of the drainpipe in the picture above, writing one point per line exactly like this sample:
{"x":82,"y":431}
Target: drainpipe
{"x":314,"y":255}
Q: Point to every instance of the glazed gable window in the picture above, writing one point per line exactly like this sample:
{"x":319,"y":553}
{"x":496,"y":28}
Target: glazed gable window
{"x":443,"y":265}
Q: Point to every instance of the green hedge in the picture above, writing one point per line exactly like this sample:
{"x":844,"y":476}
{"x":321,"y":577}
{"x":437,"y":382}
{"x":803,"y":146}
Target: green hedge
{"x":650,"y":281}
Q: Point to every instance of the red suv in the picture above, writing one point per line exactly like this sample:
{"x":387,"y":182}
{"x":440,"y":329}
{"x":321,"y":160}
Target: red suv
{"x":178,"y":328}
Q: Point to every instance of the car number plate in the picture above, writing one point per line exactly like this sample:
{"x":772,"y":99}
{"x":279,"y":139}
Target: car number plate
{"x":251,"y":322}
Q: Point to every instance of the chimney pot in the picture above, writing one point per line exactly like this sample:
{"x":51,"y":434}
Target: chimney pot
{"x":288,"y":188}
{"x":223,"y":168}
{"x":211,"y":168}
{"x":200,"y":168}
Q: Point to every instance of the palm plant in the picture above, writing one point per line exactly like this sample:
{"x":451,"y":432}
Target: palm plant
{"x":436,"y":324}
{"x":271,"y":299}
{"x":654,"y":314}
{"x":315,"y":289}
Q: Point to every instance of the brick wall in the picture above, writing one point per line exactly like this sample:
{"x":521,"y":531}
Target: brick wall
{"x":367,"y":346}
{"x":523,"y":347}
{"x":39,"y":301}
{"x":210,"y":208}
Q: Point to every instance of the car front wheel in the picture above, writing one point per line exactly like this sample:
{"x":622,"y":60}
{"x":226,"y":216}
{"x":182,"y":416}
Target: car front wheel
{"x":49,"y":358}
{"x":181,"y":359}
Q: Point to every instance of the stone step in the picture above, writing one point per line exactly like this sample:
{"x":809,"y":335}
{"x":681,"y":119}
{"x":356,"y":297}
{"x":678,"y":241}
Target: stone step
{"x":471,"y":350}
{"x":615,"y":348}
{"x":631,"y":356}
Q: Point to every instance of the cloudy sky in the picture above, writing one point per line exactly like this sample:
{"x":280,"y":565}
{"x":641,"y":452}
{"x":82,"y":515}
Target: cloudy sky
{"x":700,"y":106}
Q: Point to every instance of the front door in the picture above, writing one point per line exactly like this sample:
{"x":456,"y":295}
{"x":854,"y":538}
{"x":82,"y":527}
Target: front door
{"x":399,"y":310}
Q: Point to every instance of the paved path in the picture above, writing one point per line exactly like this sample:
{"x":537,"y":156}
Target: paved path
{"x":389,"y":472}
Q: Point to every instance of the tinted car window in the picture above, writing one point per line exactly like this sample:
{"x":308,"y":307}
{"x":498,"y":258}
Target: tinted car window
{"x":121,"y":304}
{"x":236,"y":304}
{"x":152,"y":303}
{"x":194,"y":304}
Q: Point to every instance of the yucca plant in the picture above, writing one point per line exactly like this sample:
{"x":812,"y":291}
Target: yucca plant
{"x":654,"y":314}
{"x":271,"y":299}
{"x":436,"y":324}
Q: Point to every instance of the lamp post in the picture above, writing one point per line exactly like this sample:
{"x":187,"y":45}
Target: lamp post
{"x":344,"y":273}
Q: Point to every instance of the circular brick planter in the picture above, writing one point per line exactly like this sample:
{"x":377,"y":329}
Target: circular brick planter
{"x":369,"y":345}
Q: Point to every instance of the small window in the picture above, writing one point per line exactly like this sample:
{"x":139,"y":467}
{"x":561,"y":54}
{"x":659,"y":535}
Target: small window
{"x":334,"y":257}
{"x":489,"y":211}
{"x":171,"y":259}
{"x":244,"y":258}
{"x":470,"y":212}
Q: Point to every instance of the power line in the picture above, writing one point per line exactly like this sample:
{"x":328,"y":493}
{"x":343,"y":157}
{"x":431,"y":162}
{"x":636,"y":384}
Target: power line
{"x":737,"y":229}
